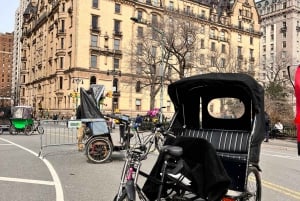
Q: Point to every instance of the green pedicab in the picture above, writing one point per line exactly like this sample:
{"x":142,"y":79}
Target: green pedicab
{"x":21,"y":120}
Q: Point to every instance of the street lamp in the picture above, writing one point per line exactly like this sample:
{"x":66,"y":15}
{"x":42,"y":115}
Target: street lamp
{"x":162,"y":64}
{"x":75,"y":95}
{"x":116,"y":93}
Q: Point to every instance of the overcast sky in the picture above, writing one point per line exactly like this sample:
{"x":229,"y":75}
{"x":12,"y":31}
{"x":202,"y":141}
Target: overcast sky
{"x":7,"y":15}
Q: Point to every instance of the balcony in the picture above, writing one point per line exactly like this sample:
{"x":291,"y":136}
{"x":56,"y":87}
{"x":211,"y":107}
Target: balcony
{"x":95,"y":29}
{"x":60,"y":52}
{"x":240,"y":57}
{"x":118,"y":52}
{"x":61,"y":32}
{"x":252,"y":59}
{"x":23,"y":58}
{"x":118,"y":33}
{"x":70,"y":10}
{"x":283,"y":29}
{"x":297,"y":28}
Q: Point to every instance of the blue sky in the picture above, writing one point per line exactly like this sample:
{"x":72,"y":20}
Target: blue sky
{"x":7,"y":15}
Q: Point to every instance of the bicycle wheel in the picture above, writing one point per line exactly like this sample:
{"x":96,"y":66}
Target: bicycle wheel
{"x":253,"y":185}
{"x":27,"y":130}
{"x":40,"y":130}
{"x":159,"y":141}
{"x":99,"y":150}
{"x":12,"y":130}
{"x":123,"y":197}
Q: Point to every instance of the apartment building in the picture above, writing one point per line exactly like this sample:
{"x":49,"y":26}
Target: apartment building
{"x":68,"y":44}
{"x":280,"y":25}
{"x":16,"y":68}
{"x":6,"y":59}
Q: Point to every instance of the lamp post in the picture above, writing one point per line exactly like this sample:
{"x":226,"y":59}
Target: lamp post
{"x":75,"y":95}
{"x":162,"y":64}
{"x":116,"y":92}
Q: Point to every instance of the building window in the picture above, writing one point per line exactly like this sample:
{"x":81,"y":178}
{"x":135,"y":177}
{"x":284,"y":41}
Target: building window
{"x":61,"y":81}
{"x":117,"y":8}
{"x":117,"y":26}
{"x":154,"y":20}
{"x":140,"y":32}
{"x":95,"y":21}
{"x":251,"y":40}
{"x":138,"y":104}
{"x":93,"y":61}
{"x":202,"y":29}
{"x":94,"y":40}
{"x":116,"y":44}
{"x":272,"y":47}
{"x":95,"y":3}
{"x":222,"y":63}
{"x":171,"y":5}
{"x":153,"y":51}
{"x":202,"y":44}
{"x":138,"y":68}
{"x":213,"y":61}
{"x":61,"y":62}
{"x":202,"y":59}
{"x":139,"y":49}
{"x":62,"y":26}
{"x":116,"y":63}
{"x":140,"y":15}
{"x":223,"y":48}
{"x":138,"y":87}
{"x":284,"y":44}
{"x":93,"y":80}
{"x":239,"y":38}
{"x":213,"y":46}
{"x":71,"y":40}
{"x":239,"y":51}
{"x":62,"y":42}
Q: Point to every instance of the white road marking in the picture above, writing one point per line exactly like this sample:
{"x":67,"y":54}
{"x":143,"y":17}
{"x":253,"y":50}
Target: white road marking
{"x":56,"y":180}
{"x":31,"y":181}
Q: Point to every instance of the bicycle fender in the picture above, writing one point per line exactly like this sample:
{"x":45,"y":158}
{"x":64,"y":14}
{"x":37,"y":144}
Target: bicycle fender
{"x":130,"y":190}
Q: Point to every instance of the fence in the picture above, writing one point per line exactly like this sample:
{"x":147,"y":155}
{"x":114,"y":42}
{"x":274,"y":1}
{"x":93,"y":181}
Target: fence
{"x":58,"y":133}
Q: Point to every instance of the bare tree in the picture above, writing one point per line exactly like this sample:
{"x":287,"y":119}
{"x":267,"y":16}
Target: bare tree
{"x":277,"y":88}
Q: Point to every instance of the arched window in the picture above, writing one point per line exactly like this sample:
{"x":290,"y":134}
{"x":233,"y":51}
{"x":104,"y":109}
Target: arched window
{"x":93,"y":80}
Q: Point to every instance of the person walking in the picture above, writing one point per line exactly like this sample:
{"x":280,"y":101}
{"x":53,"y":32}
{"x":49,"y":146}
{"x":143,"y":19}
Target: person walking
{"x":138,"y":122}
{"x":267,"y":127}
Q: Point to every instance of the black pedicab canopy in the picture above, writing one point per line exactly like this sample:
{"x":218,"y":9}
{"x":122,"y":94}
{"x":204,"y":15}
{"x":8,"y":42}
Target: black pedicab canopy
{"x":192,"y":95}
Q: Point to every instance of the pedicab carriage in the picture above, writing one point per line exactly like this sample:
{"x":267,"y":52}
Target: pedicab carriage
{"x":21,"y":120}
{"x":227,"y":110}
{"x":98,"y":141}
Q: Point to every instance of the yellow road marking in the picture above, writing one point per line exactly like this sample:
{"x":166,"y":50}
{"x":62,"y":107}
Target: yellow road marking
{"x":281,"y":189}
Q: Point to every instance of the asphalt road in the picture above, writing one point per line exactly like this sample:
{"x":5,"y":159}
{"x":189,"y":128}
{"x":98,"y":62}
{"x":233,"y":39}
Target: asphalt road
{"x":64,"y":174}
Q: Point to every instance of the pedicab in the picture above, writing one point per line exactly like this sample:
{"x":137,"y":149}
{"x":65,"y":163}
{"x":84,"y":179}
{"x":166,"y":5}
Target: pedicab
{"x":227,"y":110}
{"x":97,"y":136}
{"x":21,"y":120}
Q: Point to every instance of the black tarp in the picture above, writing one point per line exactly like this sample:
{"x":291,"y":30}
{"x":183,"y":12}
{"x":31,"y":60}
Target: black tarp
{"x":89,"y":102}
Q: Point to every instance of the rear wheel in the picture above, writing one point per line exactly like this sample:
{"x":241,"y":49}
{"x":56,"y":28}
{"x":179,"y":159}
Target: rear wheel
{"x":253,"y":184}
{"x":27,"y":130}
{"x":99,"y":150}
{"x":159,"y":141}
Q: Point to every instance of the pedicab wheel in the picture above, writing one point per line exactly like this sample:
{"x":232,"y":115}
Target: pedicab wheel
{"x":159,"y":142}
{"x":253,"y":184}
{"x":123,"y":197}
{"x":12,"y":130}
{"x":27,"y":130}
{"x":99,"y":150}
{"x":40,"y":130}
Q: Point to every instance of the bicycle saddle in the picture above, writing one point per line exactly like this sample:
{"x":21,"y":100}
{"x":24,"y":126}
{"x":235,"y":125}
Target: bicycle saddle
{"x":172,"y":150}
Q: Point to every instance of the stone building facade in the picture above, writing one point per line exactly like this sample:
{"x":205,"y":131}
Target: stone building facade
{"x":69,"y":44}
{"x":6,"y":60}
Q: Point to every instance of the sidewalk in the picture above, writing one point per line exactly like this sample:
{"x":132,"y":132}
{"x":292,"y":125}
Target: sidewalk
{"x":285,"y":142}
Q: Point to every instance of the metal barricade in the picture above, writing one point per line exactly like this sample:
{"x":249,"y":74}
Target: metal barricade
{"x":58,"y":133}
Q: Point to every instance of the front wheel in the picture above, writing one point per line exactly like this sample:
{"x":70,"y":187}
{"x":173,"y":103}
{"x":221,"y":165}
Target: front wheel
{"x":12,"y":130}
{"x":40,"y":130}
{"x":253,"y":184}
{"x":123,"y":197}
{"x":99,"y":149}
